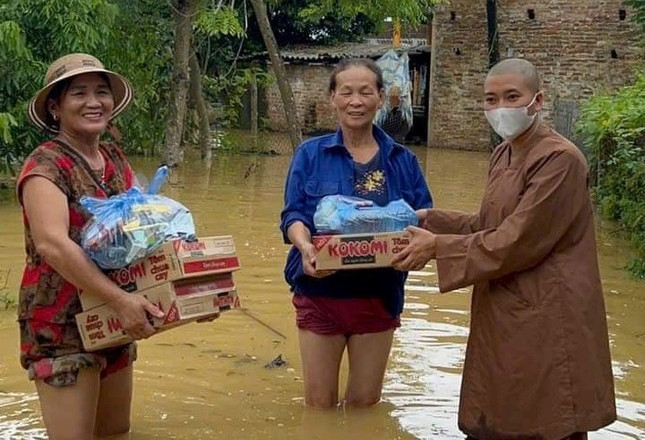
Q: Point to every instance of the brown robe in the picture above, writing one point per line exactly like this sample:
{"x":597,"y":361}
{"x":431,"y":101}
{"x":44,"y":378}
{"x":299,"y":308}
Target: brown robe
{"x":537,"y":361}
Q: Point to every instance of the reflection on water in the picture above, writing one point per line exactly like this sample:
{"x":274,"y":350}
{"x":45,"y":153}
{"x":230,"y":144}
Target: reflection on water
{"x":18,"y":419}
{"x":206,"y":381}
{"x":423,"y":383}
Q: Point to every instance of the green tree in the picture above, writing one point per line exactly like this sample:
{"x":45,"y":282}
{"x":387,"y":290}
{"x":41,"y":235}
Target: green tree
{"x":32,"y":34}
{"x":129,"y":37}
{"x":613,"y":129}
{"x":136,"y":38}
{"x":331,"y":21}
{"x":184,"y":12}
{"x":639,"y":8}
{"x":286,"y":93}
{"x":213,"y":22}
{"x":140,"y":47}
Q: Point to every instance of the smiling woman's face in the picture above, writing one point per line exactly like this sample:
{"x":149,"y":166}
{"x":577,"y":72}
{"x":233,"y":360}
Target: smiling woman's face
{"x":85,"y":106}
{"x":356,"y":98}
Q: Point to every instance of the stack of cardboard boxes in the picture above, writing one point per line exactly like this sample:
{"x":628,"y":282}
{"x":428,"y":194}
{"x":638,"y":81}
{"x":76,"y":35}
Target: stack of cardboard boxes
{"x":186,"y":280}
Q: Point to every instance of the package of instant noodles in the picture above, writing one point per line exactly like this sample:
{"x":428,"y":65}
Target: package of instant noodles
{"x":127,"y":227}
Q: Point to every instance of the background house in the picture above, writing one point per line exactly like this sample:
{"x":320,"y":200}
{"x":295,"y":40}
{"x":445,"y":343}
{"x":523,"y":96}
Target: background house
{"x":309,"y":69}
{"x":580,"y":48}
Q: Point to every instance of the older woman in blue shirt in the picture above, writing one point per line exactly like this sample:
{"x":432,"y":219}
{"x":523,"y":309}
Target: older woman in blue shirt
{"x":354,"y":309}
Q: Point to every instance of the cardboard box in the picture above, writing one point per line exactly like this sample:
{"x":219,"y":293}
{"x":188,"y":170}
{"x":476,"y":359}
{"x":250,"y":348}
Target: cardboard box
{"x":181,"y":303}
{"x":176,"y":259}
{"x":357,"y":251}
{"x":204,"y":285}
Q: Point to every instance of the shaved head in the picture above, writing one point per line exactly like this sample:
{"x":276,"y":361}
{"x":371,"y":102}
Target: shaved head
{"x":519,"y":67}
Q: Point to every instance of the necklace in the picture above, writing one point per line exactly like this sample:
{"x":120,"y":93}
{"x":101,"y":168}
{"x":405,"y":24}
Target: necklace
{"x":83,"y":152}
{"x":84,"y":163}
{"x":101,"y":171}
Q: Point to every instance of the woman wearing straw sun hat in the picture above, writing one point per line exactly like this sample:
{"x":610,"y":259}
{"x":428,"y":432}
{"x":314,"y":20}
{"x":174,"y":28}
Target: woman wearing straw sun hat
{"x":81,"y":394}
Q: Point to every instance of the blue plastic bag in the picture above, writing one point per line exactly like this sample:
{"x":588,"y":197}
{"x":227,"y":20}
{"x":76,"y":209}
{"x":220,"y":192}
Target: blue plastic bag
{"x":127,"y":227}
{"x":351,"y":215}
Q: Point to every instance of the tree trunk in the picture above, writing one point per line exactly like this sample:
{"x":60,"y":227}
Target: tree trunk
{"x":184,"y":11}
{"x":280,"y":72}
{"x":254,"y":111}
{"x":200,"y":106}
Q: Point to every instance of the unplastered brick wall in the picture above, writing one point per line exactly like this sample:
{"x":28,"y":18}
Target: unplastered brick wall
{"x":310,"y":83}
{"x":580,"y":48}
{"x":458,"y":66}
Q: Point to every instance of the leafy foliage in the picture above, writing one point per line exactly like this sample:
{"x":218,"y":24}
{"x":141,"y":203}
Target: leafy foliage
{"x":7,"y":300}
{"x":331,"y":21}
{"x":7,"y":121}
{"x":299,"y":22}
{"x":140,"y":48}
{"x":131,"y":38}
{"x":32,"y":34}
{"x":613,"y":126}
{"x":638,"y":7}
{"x":412,"y":12}
{"x":218,"y":22}
{"x":230,"y":90}
{"x":135,"y":39}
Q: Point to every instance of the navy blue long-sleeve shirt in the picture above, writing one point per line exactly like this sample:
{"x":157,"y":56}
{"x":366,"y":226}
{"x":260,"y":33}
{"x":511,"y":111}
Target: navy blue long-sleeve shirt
{"x":322,"y":166}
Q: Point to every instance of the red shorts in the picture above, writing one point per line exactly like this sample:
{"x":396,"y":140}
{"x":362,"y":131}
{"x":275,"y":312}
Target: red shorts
{"x":342,"y":316}
{"x":54,"y":353}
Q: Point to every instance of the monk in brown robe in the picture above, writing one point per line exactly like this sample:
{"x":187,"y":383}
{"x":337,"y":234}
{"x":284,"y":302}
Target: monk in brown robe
{"x":537,"y":363}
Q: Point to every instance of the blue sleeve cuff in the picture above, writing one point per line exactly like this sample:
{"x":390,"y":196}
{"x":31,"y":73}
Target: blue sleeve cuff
{"x":289,"y":219}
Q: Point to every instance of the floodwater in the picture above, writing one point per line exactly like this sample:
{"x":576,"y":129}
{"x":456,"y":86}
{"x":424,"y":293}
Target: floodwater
{"x":205,"y":381}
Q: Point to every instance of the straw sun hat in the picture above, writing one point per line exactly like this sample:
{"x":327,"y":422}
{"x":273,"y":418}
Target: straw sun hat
{"x":67,"y":67}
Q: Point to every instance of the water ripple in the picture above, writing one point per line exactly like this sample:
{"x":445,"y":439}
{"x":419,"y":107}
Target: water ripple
{"x":424,"y":380}
{"x":18,"y":418}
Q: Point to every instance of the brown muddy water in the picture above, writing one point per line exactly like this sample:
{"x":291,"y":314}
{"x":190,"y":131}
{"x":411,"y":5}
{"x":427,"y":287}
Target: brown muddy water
{"x":205,"y":381}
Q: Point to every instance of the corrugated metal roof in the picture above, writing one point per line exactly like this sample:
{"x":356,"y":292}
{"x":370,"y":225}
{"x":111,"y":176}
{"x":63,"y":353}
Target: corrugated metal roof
{"x":371,"y":49}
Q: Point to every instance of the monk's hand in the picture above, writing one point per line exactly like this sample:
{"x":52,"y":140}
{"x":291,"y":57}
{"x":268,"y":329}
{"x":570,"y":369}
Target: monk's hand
{"x":422,"y":216}
{"x":308,"y":253}
{"x":421,"y":249}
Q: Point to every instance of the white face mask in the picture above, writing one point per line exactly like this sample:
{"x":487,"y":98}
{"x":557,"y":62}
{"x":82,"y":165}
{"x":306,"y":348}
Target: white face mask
{"x":509,"y":123}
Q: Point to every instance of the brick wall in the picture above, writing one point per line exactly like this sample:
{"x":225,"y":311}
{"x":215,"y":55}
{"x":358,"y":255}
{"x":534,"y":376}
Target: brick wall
{"x":310,"y":85}
{"x":580,"y":48}
{"x":458,"y":66}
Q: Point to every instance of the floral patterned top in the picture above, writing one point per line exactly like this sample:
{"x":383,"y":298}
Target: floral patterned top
{"x":44,"y":294}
